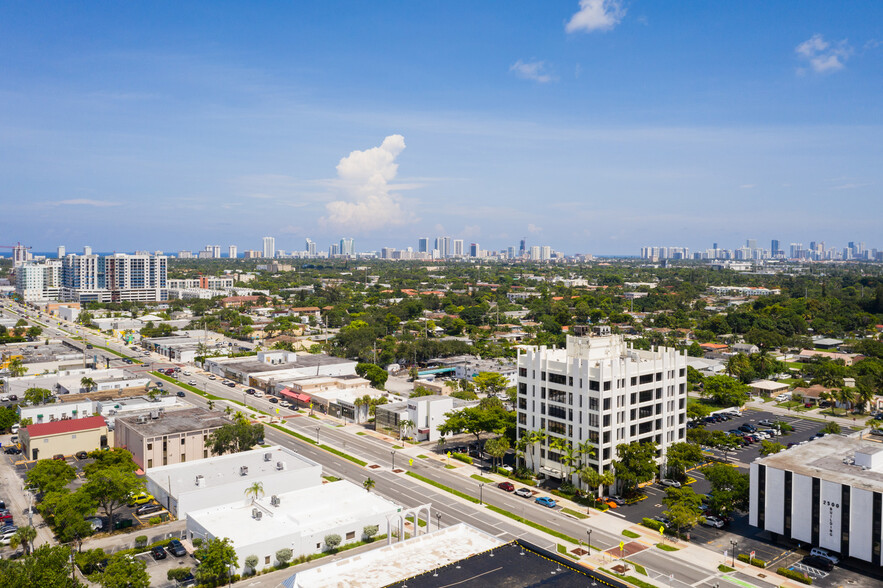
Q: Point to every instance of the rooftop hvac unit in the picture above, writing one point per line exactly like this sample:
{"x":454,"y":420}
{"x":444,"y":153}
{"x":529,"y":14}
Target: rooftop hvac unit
{"x":256,"y":514}
{"x":200,"y":480}
{"x":274,"y":500}
{"x":142,"y":419}
{"x":268,"y":456}
{"x":243,"y":470}
{"x":280,"y":465}
{"x":154,"y":415}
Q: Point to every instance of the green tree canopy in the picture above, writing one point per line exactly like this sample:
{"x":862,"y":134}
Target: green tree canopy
{"x":490,"y":382}
{"x":50,"y":475}
{"x":373,"y":373}
{"x":124,"y":571}
{"x":729,"y":488}
{"x":240,"y":435}
{"x":110,"y":488}
{"x":216,"y":557}
{"x":725,"y":391}
{"x":682,"y":456}
{"x":636,"y":464}
{"x":47,"y":566}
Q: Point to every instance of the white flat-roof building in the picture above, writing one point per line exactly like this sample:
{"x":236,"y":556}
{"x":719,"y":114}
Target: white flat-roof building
{"x":70,"y":381}
{"x":426,"y":412}
{"x":278,"y":365}
{"x":601,"y":390}
{"x":827,"y":493}
{"x":56,"y":411}
{"x":212,"y":482}
{"x":393,"y":563}
{"x":298,"y":520}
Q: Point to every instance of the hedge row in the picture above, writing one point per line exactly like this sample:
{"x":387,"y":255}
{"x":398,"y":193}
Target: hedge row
{"x":794,"y":575}
{"x":758,"y":563}
{"x":462,"y":457}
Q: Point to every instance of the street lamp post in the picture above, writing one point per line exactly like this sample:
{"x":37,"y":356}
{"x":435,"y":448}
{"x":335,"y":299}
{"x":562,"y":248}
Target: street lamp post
{"x":733,"y":544}
{"x":393,"y":454}
{"x":438,"y":521}
{"x":589,"y":542}
{"x":481,"y":493}
{"x":317,"y":435}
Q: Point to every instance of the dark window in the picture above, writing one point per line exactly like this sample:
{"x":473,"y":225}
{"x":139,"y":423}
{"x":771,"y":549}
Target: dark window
{"x":816,"y":509}
{"x":557,"y":412}
{"x":606,"y":404}
{"x":645,"y":411}
{"x":593,"y":385}
{"x":876,"y":526}
{"x":606,"y":437}
{"x":542,"y":375}
{"x":522,"y":403}
{"x":658,"y":376}
{"x":522,"y":372}
{"x":682,"y":372}
{"x":844,"y":519}
{"x":761,"y":496}
{"x":351,"y":535}
{"x":606,"y":385}
{"x":658,"y":393}
{"x":645,"y":396}
{"x":634,"y":381}
{"x":593,"y":404}
{"x":606,"y":421}
{"x":634,"y":398}
{"x":556,"y":427}
{"x":570,"y":380}
{"x":557,"y":379}
{"x":522,"y":388}
{"x":787,"y":502}
{"x":646,"y":378}
{"x":645,"y":427}
{"x":557,"y":395}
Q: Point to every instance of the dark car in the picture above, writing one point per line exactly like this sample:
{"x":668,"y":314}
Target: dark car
{"x":147,"y":509}
{"x":58,"y":456}
{"x":81,"y":455}
{"x":158,"y":552}
{"x":89,"y":347}
{"x":175,"y":548}
{"x":820,"y":563}
{"x":231,"y":384}
{"x":507,"y":486}
{"x":250,"y":391}
{"x":273,"y":400}
{"x":12,"y":450}
{"x":181,"y":394}
{"x":13,"y":397}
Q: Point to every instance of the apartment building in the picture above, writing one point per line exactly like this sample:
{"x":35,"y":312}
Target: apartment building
{"x":602,"y":391}
{"x":162,"y":438}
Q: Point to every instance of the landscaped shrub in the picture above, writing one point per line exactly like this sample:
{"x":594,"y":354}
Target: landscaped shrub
{"x":462,"y":457}
{"x":758,"y":563}
{"x":794,"y":575}
{"x":140,"y":540}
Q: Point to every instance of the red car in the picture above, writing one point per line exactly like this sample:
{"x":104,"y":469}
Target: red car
{"x":507,"y":486}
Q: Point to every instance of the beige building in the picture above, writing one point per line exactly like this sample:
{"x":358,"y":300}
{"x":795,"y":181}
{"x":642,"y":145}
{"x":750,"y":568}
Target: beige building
{"x":64,"y":437}
{"x":163,"y":438}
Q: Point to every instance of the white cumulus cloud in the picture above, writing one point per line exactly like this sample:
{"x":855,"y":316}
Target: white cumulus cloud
{"x":532,"y":70}
{"x":368,"y":202}
{"x":596,"y":15}
{"x":822,"y":56}
{"x":85,"y":202}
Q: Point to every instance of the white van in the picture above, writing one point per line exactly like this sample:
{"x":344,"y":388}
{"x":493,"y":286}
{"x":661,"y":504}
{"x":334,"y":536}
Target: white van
{"x":783,"y":397}
{"x":258,"y":394}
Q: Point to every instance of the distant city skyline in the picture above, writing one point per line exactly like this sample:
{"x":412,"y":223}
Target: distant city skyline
{"x":594,"y":127}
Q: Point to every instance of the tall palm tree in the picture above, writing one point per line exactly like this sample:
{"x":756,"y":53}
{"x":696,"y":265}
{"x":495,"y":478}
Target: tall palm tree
{"x":17,"y":367}
{"x":25,"y":537}
{"x":846,"y":395}
{"x":256,"y":490}
{"x":865,"y":396}
{"x":531,"y":439}
{"x":87,"y":383}
{"x":405,"y":425}
{"x":369,"y":484}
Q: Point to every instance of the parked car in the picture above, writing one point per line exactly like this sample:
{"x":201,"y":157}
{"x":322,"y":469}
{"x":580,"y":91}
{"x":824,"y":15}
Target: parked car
{"x":712,"y":522}
{"x":175,"y":548}
{"x":158,"y":552}
{"x":81,"y":455}
{"x":58,"y":456}
{"x":815,"y":561}
{"x":13,"y":398}
{"x":766,"y":423}
{"x":250,"y":391}
{"x":96,"y":523}
{"x":12,"y":450}
{"x":545,"y":501}
{"x":284,"y":403}
{"x":231,"y":384}
{"x":617,"y":499}
{"x":670,"y":483}
{"x":147,"y":509}
{"x":140,"y":498}
{"x":609,"y":503}
{"x":180,"y":394}
{"x":821,"y":552}
{"x":212,"y":378}
{"x":507,"y":486}
{"x":272,"y":400}
{"x":524,"y":492}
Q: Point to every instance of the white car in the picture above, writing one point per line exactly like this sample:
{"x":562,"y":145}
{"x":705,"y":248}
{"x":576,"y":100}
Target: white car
{"x":713,"y":522}
{"x":96,"y":523}
{"x":670,"y":483}
{"x":258,"y":394}
{"x":4,"y":398}
{"x":186,"y":373}
{"x":819,"y":552}
{"x":284,"y":404}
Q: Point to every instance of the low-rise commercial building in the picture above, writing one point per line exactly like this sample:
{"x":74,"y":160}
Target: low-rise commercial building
{"x":56,"y":411}
{"x":768,"y":388}
{"x":64,"y":437}
{"x":205,"y":483}
{"x":299,"y":520}
{"x":827,"y":493}
{"x":426,"y":413}
{"x":277,"y":366}
{"x":163,"y":437}
{"x":70,"y":381}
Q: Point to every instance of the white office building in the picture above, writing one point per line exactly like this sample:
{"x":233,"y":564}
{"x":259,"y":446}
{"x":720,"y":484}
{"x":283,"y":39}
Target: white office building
{"x":426,"y":413}
{"x":39,"y":281}
{"x":827,"y":493}
{"x":599,"y":389}
{"x":205,"y":483}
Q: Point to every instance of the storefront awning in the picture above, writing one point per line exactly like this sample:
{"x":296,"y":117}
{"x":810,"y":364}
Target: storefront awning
{"x":294,"y":395}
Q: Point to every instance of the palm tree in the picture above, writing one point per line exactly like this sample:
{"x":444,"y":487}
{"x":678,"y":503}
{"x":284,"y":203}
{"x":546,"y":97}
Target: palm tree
{"x":846,"y":395}
{"x":210,"y":404}
{"x":368,"y":484}
{"x":87,"y":383}
{"x":25,"y":537}
{"x":531,"y":438}
{"x":256,"y":490}
{"x":228,"y":411}
{"x":865,"y":396}
{"x":405,"y":425}
{"x":17,"y":367}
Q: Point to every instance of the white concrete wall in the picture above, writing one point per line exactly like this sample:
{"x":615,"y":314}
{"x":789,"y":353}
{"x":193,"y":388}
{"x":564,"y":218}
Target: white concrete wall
{"x":801,"y":503}
{"x":753,"y":495}
{"x":829,"y":516}
{"x":774,"y":509}
{"x":861,"y":507}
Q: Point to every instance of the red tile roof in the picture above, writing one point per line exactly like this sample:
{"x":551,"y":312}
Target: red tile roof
{"x":66,"y":426}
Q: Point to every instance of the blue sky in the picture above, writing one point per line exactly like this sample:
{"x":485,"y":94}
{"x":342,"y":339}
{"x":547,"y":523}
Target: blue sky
{"x":593,"y":126}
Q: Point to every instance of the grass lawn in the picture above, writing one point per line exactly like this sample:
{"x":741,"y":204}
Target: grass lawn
{"x":631,"y":534}
{"x":481,"y":479}
{"x":563,"y":551}
{"x":638,"y":567}
{"x":450,"y":467}
{"x":397,"y":447}
{"x":421,"y":456}
{"x":725,"y":569}
{"x":360,"y":433}
{"x":667,"y":547}
{"x":574,"y":513}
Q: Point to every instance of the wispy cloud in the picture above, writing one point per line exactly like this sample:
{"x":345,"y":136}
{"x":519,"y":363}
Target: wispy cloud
{"x":85,"y":202}
{"x":532,"y":70}
{"x":823,"y":56}
{"x":849,"y":186}
{"x":532,"y":228}
{"x":596,"y":15}
{"x":368,"y":201}
{"x":747,"y":186}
